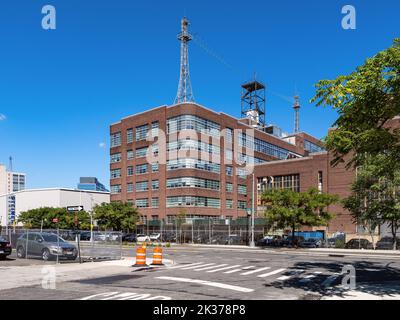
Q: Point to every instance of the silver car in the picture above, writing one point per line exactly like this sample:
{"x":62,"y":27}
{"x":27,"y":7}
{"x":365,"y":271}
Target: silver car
{"x":45,"y":245}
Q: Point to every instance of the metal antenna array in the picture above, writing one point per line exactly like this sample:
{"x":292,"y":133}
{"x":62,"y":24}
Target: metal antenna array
{"x":10,"y":166}
{"x":185,"y":93}
{"x":296,"y":107}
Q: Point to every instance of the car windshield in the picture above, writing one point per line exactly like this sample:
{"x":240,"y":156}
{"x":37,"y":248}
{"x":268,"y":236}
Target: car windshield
{"x":51,"y":238}
{"x":2,"y":239}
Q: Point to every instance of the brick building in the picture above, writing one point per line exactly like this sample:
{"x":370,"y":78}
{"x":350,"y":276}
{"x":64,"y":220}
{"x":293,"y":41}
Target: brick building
{"x":188,"y":156}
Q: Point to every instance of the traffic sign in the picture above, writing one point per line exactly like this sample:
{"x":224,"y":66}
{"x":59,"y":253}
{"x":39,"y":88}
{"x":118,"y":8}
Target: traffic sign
{"x":74,"y":208}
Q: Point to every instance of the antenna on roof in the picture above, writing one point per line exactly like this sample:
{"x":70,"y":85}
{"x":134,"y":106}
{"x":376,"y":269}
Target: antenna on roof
{"x":10,"y":165}
{"x":296,"y":107}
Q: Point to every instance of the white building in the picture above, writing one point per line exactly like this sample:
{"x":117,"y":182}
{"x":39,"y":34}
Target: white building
{"x":53,"y":197}
{"x":11,"y":181}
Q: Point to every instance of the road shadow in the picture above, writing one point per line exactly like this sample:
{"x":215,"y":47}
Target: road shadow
{"x":376,"y":278}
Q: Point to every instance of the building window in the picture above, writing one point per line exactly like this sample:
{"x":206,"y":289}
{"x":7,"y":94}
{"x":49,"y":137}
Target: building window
{"x":154,"y":167}
{"x":291,"y":182}
{"x":141,"y":132}
{"x":142,"y":186}
{"x":188,"y":163}
{"x":116,"y":139}
{"x":242,"y":205}
{"x":191,"y":122}
{"x":129,"y":155}
{"x":190,"y":144}
{"x":155,"y":204}
{"x":229,"y":187}
{"x":242,"y":189}
{"x":116,"y":157}
{"x":229,"y":204}
{"x":141,"y":169}
{"x":130,"y":171}
{"x":116,"y":189}
{"x":129,"y":187}
{"x":142,"y":203}
{"x":155,"y":185}
{"x":142,"y":152}
{"x":242,"y":173}
{"x":193,"y":182}
{"x":129,"y":136}
{"x":191,"y":201}
{"x":229,"y":171}
{"x":116,"y":173}
{"x":320,"y":181}
{"x":312,"y":147}
{"x":154,"y":129}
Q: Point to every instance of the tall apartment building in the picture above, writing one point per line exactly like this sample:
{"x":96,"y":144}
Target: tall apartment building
{"x":91,"y":184}
{"x":204,"y":172}
{"x":11,"y":181}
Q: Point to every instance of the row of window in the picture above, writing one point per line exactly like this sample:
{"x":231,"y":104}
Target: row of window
{"x":140,"y":169}
{"x":312,"y":147}
{"x":192,"y":182}
{"x":290,"y":182}
{"x":188,"y":163}
{"x":191,"y":122}
{"x":191,"y":201}
{"x":189,"y":144}
{"x":141,"y":134}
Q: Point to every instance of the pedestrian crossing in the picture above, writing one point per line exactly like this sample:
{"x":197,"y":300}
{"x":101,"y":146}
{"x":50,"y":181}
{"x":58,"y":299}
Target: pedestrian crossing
{"x":303,"y":277}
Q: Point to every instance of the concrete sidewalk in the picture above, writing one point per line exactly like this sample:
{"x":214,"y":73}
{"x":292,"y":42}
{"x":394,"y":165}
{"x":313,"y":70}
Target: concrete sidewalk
{"x":33,"y":275}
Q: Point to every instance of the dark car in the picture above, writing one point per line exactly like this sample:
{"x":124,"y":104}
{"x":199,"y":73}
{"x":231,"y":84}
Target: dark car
{"x":130,"y":237}
{"x":45,"y":245}
{"x":5,"y":248}
{"x":289,"y":242}
{"x":265,"y":241}
{"x":386,"y":243}
{"x":311,"y":243}
{"x":359,"y":244}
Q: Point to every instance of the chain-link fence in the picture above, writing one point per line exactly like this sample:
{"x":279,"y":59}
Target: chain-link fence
{"x":64,"y":245}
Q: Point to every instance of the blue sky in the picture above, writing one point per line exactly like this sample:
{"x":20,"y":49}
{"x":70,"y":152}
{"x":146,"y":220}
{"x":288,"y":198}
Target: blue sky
{"x":61,"y":89}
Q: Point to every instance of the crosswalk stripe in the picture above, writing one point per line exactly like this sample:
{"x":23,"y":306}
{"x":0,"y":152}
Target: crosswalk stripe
{"x":271,"y":273}
{"x":226,"y":268}
{"x":185,"y":265}
{"x":291,"y":275}
{"x":255,"y":271}
{"x":311,"y":276}
{"x":233,"y":271}
{"x":249,"y":267}
{"x":194,"y":267}
{"x":212,"y":267}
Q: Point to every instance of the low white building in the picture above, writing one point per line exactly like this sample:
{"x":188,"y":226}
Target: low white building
{"x":53,"y":197}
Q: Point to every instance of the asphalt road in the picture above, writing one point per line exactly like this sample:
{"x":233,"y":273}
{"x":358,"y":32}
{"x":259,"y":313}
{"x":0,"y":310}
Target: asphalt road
{"x":221,"y":274}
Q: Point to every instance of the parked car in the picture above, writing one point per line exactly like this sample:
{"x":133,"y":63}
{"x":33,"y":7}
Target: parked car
{"x":5,"y":248}
{"x":359,"y":244}
{"x":155,"y":236}
{"x":311,"y":243}
{"x":288,"y":241}
{"x":45,"y":245}
{"x":142,"y":238}
{"x":265,"y":241}
{"x":85,"y":236}
{"x":129,"y":237}
{"x":386,"y":243}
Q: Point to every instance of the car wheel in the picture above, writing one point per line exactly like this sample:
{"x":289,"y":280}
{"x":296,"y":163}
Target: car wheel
{"x":20,"y":252}
{"x":46,"y":256}
{"x":73,"y":258}
{"x":3,"y":257}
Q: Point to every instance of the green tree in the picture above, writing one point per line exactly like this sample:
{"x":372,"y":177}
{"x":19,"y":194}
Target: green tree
{"x":35,"y":218}
{"x":366,"y":100}
{"x":290,"y":209}
{"x":117,"y":215}
{"x":375,"y":198}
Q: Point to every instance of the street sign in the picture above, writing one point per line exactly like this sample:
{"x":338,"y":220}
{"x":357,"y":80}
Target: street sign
{"x":75,"y":208}
{"x":55,"y":220}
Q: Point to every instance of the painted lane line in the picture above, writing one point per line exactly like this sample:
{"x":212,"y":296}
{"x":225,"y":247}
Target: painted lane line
{"x":208,"y":283}
{"x":185,"y":265}
{"x":247,"y":268}
{"x":255,"y":271}
{"x":212,"y":267}
{"x":226,"y":268}
{"x":327,"y":283}
{"x":271,"y":273}
{"x":291,"y":275}
{"x":194,"y":267}
{"x":233,"y":271}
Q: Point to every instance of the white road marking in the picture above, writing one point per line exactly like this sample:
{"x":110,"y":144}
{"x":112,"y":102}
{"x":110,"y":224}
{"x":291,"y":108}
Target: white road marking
{"x":185,"y":265}
{"x":226,"y":268}
{"x":309,"y":277}
{"x":247,"y":268}
{"x":255,"y":271}
{"x":194,"y":267}
{"x":291,"y":275}
{"x":208,"y":283}
{"x":124,"y":296}
{"x":233,"y":271}
{"x":271,"y":273}
{"x":208,"y":268}
{"x":327,"y":283}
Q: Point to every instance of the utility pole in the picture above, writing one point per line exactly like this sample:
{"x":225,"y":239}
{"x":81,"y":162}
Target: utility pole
{"x":252,"y":243}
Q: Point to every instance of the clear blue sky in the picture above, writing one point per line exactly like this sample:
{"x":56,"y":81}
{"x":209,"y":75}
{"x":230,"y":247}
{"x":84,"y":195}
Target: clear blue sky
{"x":60,"y":90}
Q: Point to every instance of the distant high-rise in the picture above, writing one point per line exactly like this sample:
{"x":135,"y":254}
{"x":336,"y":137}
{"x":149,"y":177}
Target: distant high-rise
{"x":91,"y":183}
{"x":11,"y":181}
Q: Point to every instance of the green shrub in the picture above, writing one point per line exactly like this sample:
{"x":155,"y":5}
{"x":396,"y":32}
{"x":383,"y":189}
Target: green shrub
{"x":339,"y":244}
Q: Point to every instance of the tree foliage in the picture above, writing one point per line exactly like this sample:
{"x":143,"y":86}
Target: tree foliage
{"x":365,"y":100}
{"x":117,"y":216}
{"x":35,"y":217}
{"x":287,"y":208}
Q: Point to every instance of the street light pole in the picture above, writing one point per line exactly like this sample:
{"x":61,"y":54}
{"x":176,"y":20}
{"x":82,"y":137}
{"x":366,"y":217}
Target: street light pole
{"x":252,"y":243}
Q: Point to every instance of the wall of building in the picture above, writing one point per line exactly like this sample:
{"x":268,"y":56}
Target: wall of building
{"x":33,"y":199}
